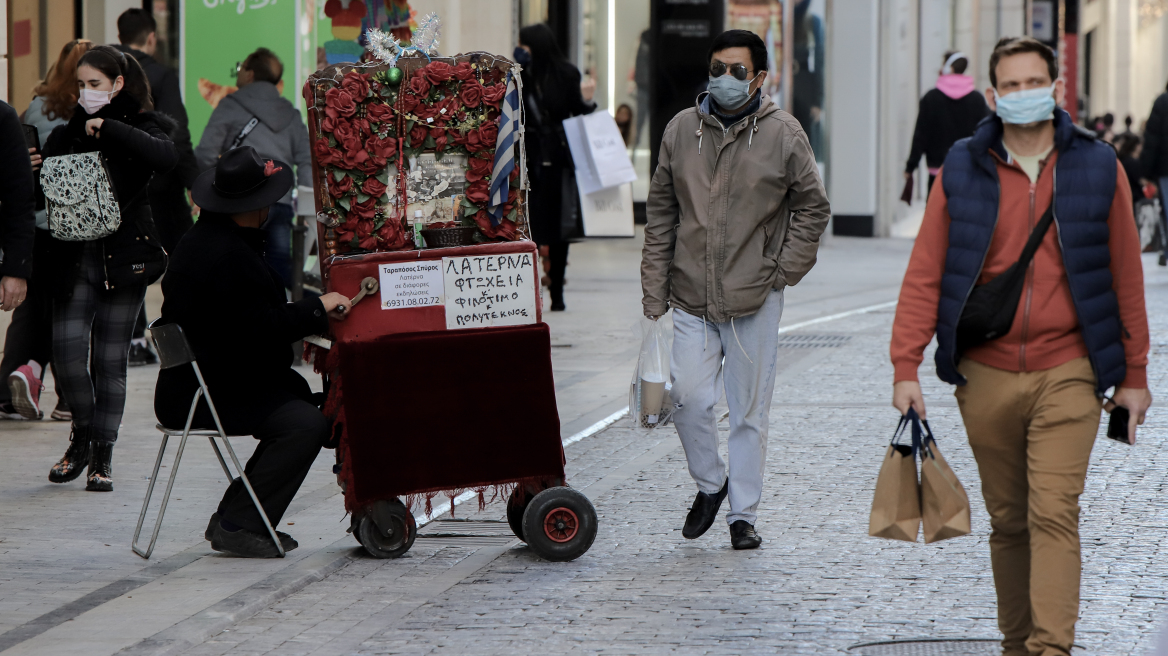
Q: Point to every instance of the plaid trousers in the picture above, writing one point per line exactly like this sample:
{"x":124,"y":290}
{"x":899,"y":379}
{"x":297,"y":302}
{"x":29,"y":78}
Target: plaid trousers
{"x":105,"y":318}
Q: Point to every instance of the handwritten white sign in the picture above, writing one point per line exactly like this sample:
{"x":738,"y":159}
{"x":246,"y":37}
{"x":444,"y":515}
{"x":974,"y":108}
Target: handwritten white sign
{"x":489,"y":290}
{"x":411,"y":284}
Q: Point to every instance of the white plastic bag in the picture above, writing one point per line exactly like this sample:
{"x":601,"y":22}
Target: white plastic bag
{"x":649,"y":396}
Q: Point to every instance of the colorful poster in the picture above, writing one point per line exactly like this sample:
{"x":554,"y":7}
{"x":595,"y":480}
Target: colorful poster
{"x":218,"y":34}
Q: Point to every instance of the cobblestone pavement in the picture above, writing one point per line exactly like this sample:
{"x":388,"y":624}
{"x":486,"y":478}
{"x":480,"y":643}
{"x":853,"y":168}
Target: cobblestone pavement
{"x":817,"y":586}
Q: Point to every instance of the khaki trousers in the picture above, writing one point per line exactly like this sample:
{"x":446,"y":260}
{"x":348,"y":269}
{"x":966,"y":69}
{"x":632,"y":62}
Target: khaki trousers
{"x":1031,"y":434}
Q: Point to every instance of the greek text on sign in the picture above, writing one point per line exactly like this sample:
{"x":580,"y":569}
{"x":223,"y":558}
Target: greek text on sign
{"x":489,"y":290}
{"x":411,"y":284}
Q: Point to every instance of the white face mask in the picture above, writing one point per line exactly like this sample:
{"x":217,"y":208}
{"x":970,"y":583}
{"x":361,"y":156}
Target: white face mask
{"x":93,"y":100}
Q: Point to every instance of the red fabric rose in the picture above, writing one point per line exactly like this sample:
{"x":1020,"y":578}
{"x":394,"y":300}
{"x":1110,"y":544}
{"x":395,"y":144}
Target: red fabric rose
{"x":379,"y":147}
{"x":473,"y":141}
{"x":364,"y":210}
{"x":493,"y":95}
{"x":479,"y":192}
{"x":438,"y":72}
{"x":489,"y":134}
{"x":471,"y":93}
{"x":463,"y":71}
{"x":373,"y":165}
{"x":344,"y":131}
{"x":354,"y":158}
{"x":514,"y":173}
{"x":424,"y":111}
{"x":356,"y":84}
{"x":419,"y":86}
{"x":418,"y":135}
{"x":341,"y":101}
{"x":324,"y":154}
{"x":328,"y":123}
{"x":479,"y":169}
{"x":361,"y":125}
{"x":441,"y":141}
{"x":379,"y":113}
{"x":373,"y":187}
{"x":505,"y":230}
{"x":338,"y":189}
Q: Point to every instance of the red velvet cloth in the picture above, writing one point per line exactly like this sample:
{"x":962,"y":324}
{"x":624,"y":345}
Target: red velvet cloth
{"x":445,"y":411}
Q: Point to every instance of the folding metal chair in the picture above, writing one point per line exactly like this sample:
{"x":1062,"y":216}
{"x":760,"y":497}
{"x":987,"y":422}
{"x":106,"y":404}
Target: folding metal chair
{"x":174,"y":351}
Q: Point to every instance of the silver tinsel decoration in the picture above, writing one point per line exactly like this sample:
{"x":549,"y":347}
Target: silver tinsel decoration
{"x":383,"y":46}
{"x":425,"y":38}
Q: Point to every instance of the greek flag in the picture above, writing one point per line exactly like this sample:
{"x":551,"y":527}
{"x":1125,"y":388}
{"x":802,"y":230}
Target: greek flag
{"x":505,"y":151}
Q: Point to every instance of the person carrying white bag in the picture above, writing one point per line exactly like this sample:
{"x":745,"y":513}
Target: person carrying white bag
{"x":735,"y":212}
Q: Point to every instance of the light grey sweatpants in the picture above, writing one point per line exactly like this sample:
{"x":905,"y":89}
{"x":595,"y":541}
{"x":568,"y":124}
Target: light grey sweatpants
{"x":751,"y":347}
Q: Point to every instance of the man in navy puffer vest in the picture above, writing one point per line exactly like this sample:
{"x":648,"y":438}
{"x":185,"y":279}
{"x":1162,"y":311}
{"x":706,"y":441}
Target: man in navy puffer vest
{"x":1031,"y":399}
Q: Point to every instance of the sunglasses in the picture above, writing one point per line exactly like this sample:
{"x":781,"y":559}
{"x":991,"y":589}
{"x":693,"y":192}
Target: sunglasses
{"x":739,"y":71}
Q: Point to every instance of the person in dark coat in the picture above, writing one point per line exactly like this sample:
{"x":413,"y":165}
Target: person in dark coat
{"x":553,"y":93}
{"x":231,"y":305}
{"x":17,"y":217}
{"x":98,"y":286}
{"x":137,"y":32}
{"x":946,"y":114}
{"x":1154,"y":160}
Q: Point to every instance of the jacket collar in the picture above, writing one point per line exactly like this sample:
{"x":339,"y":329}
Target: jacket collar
{"x":988,"y":137}
{"x":766,"y":106}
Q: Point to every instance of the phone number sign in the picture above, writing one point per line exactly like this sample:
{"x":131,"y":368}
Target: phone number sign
{"x":411,"y":285}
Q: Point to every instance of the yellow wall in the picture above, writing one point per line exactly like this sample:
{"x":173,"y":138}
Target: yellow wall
{"x":25,"y":72}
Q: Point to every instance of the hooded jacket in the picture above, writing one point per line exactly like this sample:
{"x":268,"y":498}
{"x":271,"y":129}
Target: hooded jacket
{"x":280,"y":134}
{"x":732,"y":213}
{"x":135,"y":145}
{"x":943,"y":117}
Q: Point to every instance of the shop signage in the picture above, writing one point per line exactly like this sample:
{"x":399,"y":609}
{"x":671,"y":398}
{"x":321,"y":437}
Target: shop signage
{"x":489,"y":290}
{"x":411,"y":284}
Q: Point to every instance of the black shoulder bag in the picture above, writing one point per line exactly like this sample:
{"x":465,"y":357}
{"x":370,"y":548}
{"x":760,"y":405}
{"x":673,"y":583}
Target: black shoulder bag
{"x":989,"y":311}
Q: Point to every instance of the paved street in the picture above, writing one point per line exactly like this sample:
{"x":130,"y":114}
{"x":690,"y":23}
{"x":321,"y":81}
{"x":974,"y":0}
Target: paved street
{"x":69,"y":583}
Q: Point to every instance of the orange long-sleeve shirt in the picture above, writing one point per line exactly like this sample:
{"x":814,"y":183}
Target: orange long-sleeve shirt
{"x":1045,"y":333}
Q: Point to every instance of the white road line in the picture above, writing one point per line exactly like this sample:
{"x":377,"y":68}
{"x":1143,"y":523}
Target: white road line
{"x":441,"y":509}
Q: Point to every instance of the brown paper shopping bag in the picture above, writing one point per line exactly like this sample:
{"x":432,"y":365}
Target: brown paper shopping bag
{"x":944,"y":503}
{"x":896,"y":507}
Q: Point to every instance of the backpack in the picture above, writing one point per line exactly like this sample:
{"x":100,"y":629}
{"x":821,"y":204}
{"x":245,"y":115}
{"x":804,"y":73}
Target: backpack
{"x":79,"y":197}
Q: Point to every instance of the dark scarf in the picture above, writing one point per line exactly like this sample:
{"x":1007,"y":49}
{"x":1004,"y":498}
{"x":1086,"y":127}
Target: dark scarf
{"x":730,"y":119}
{"x":123,"y":107}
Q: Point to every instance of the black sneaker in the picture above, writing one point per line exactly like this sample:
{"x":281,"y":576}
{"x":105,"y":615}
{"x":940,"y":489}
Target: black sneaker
{"x":742,"y":535}
{"x":703,"y":512}
{"x":9,"y":411}
{"x":243,"y":543}
{"x":286,"y":540}
{"x":141,"y":355}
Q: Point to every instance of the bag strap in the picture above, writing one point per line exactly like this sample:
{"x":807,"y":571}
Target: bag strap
{"x":251,"y":125}
{"x":1036,"y":236}
{"x":913,"y":420}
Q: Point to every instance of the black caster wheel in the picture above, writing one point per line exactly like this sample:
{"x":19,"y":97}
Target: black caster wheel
{"x":387,"y":529}
{"x":520,"y":499}
{"x":559,"y":524}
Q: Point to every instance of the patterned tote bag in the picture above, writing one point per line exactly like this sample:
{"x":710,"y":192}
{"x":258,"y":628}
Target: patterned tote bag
{"x":79,"y":197}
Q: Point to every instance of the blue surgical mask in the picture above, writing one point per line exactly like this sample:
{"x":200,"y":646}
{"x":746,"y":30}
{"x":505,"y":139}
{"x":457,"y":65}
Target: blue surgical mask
{"x":1025,"y":107}
{"x":730,"y":92}
{"x":522,"y":57}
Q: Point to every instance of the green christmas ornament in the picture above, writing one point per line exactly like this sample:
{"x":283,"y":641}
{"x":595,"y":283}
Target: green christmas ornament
{"x":395,"y":76}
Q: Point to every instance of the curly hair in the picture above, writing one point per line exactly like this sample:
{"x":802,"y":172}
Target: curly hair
{"x":59,"y":88}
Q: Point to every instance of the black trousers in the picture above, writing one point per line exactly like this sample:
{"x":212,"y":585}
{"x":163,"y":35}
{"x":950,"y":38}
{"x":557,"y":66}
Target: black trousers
{"x":558,"y":256}
{"x":30,"y":334}
{"x":290,"y":439}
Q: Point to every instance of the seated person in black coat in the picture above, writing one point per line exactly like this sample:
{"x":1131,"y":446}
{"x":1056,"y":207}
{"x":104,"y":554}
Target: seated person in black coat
{"x":233,"y":309}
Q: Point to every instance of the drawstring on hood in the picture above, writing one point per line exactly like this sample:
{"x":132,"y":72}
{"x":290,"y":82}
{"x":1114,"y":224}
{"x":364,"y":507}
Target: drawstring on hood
{"x":754,"y":129}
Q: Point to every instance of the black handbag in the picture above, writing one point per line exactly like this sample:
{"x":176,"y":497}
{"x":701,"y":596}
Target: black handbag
{"x":989,"y":311}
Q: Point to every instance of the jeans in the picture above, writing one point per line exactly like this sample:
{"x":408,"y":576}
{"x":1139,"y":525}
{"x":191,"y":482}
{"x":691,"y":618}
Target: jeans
{"x":105,"y":318}
{"x":750,"y":346}
{"x":290,"y":439}
{"x":278,"y":241}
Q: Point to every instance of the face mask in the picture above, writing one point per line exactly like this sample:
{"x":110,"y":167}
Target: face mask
{"x":93,"y":100}
{"x":730,"y":93}
{"x":522,"y":57}
{"x":1025,"y":107}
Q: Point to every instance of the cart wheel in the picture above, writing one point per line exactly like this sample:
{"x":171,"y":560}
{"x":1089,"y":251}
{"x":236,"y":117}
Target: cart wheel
{"x":560,"y":524}
{"x":401,"y":536}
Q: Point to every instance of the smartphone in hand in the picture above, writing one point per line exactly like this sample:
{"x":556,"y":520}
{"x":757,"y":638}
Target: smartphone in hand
{"x":32,"y":137}
{"x":1117,"y":424}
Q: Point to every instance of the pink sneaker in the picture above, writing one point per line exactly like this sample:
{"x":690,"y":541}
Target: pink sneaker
{"x":26,"y":392}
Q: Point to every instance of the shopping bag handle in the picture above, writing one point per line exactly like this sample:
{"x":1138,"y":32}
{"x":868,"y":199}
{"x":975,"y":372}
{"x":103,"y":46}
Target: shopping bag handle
{"x":910,"y":419}
{"x":922,"y":435}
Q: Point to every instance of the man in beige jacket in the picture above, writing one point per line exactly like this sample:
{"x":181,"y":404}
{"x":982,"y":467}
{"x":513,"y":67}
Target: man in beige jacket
{"x":735,"y":213}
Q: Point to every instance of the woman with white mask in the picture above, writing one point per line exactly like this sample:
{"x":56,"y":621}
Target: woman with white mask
{"x":98,"y":285}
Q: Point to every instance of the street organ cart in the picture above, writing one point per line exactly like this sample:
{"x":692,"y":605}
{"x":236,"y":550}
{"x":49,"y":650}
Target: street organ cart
{"x":439,"y":381}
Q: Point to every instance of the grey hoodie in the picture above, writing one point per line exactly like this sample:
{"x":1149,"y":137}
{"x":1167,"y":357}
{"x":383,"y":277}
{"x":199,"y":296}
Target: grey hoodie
{"x":280,"y":134}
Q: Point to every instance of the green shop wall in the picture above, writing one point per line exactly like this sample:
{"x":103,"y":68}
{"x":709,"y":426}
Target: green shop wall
{"x":219,"y":33}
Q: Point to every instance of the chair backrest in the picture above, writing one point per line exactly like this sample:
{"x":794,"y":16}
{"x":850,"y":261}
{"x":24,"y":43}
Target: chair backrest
{"x":172,"y":345}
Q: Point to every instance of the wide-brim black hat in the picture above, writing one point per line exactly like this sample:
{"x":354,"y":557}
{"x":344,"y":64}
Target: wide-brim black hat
{"x":242,"y":181}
